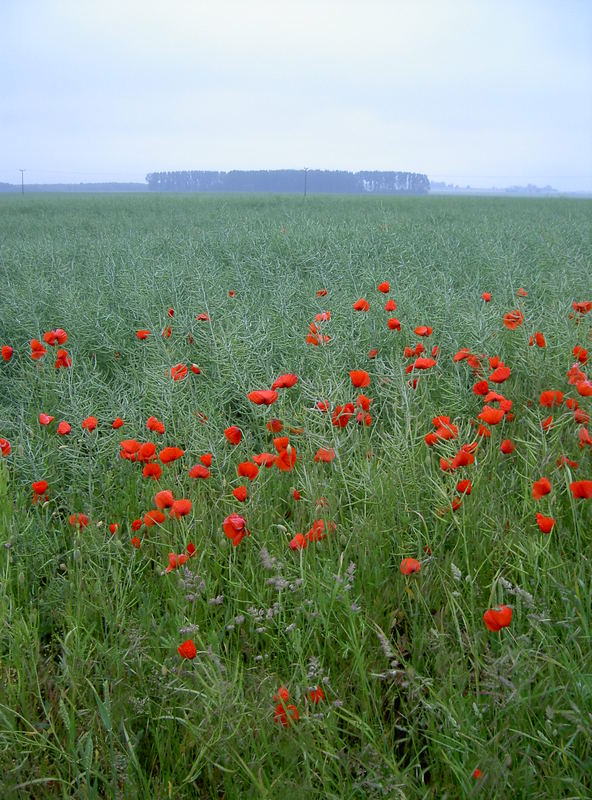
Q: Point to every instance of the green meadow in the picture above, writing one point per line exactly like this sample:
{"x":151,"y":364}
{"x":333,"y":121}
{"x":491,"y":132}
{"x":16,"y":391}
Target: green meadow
{"x":416,"y":692}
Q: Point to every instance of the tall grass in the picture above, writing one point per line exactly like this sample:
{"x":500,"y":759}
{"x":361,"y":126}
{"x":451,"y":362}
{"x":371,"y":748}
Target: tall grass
{"x":94,"y":698}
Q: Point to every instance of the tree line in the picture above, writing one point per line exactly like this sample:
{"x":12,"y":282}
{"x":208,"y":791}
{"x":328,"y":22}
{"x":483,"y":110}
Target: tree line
{"x":294,"y":181}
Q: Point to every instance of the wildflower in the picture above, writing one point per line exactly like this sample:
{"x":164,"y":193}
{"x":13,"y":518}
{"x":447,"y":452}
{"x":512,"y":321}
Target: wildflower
{"x":89,"y":424}
{"x":316,"y":695}
{"x":199,"y":471}
{"x":486,"y":296}
{"x":240,"y":492}
{"x":64,"y":428}
{"x":390,"y":305}
{"x":581,"y":490}
{"x":45,"y":419}
{"x":180,"y":508}
{"x":187,"y":649}
{"x":359,"y":378}
{"x":384,"y":287}
{"x":409,"y":565}
{"x":179,"y":372}
{"x":285,"y":381}
{"x":540,"y":488}
{"x":135,"y":542}
{"x":233,"y":434}
{"x":325,"y":455}
{"x":497,"y":618}
{"x":246,"y":469}
{"x":142,"y":334}
{"x":286,"y":715}
{"x":361,"y":305}
{"x":117,"y":423}
{"x":235,"y":527}
{"x":546,"y":524}
{"x":169,"y":454}
{"x":154,"y":424}
{"x":513,"y":319}
{"x":507,"y":446}
{"x":7,"y":352}
{"x":263,"y":397}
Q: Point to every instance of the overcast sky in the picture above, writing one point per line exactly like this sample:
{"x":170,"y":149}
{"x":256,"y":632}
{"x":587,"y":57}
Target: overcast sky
{"x":480,"y":92}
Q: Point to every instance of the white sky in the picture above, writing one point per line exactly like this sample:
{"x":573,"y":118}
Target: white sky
{"x":480,"y":92}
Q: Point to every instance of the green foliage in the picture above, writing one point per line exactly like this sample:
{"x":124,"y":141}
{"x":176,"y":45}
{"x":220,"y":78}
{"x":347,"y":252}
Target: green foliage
{"x":94,"y":698}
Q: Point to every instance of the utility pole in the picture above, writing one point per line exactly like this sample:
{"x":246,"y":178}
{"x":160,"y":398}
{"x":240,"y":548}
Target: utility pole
{"x":305,"y":171}
{"x":22,"y":171}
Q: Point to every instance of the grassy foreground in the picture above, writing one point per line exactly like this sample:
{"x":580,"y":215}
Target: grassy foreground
{"x":417,"y":693}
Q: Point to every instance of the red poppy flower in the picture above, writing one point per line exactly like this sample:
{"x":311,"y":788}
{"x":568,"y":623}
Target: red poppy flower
{"x":274,"y":425}
{"x":323,"y":316}
{"x":286,"y":715}
{"x":5,"y":447}
{"x":153,"y":471}
{"x":282,"y":694}
{"x":423,"y":330}
{"x":199,"y":471}
{"x":409,"y":566}
{"x":342,"y":415}
{"x":39,"y":490}
{"x":155,"y":425}
{"x":235,"y":527}
{"x":373,"y":353}
{"x":266,"y":460}
{"x":164,"y":499}
{"x":390,"y":305}
{"x":180,"y":508}
{"x":464,"y":486}
{"x":486,"y":296}
{"x":581,"y":490}
{"x":296,"y":494}
{"x":202,"y":317}
{"x":497,"y":618}
{"x":187,"y":649}
{"x":551,"y":398}
{"x":169,"y":454}
{"x":299,"y":542}
{"x":384,"y":287}
{"x":135,"y":542}
{"x":153,"y":517}
{"x":540,"y":488}
{"x":286,"y":459}
{"x":513,"y":319}
{"x":136,"y":525}
{"x":263,"y":397}
{"x":143,"y":334}
{"x":246,"y":469}
{"x":78,"y":519}
{"x":89,"y":424}
{"x":240,"y":492}
{"x":233,"y":434}
{"x":7,"y":352}
{"x":477,"y":773}
{"x":325,"y":455}
{"x":501,"y":374}
{"x":521,"y":292}
{"x":166,"y":332}
{"x":285,"y":381}
{"x":117,"y":423}
{"x":546,"y":524}
{"x":206,"y":459}
{"x":321,"y":293}
{"x":393,"y":324}
{"x":507,"y":446}
{"x":316,"y":695}
{"x":361,"y":305}
{"x":481,"y":388}
{"x":179,"y":372}
{"x":64,"y":428}
{"x":113,"y":528}
{"x":63,"y":360}
{"x":424,"y":363}
{"x":491,"y":415}
{"x":45,"y":419}
{"x":584,"y":388}
{"x":359,"y":378}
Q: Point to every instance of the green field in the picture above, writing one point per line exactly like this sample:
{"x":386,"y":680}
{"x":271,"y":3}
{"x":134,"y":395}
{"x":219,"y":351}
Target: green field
{"x":417,"y":693}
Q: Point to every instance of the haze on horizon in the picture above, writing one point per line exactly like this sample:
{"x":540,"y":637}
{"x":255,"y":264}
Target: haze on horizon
{"x":493,"y":93}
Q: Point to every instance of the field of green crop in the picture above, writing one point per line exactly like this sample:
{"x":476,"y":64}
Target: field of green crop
{"x":322,"y":665}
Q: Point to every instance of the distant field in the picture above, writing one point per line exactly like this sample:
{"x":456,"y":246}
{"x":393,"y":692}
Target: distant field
{"x":397,"y":686}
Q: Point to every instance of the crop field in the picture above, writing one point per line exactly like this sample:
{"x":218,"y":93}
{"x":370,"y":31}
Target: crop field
{"x":262,"y":536}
